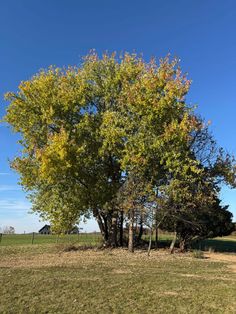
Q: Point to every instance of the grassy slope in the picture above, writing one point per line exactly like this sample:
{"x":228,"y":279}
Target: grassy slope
{"x":38,"y":279}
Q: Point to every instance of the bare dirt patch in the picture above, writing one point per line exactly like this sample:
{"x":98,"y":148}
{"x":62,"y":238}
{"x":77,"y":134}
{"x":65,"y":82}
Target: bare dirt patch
{"x":232,"y":267}
{"x":121,"y":271}
{"x":171,"y":293}
{"x":205,"y":277}
{"x":47,"y":259}
{"x":86,"y":258}
{"x":220,"y":257}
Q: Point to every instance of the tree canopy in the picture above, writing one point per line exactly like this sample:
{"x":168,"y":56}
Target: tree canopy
{"x":90,"y":132}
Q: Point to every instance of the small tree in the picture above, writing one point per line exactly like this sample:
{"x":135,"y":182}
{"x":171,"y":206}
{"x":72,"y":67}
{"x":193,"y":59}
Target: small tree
{"x":8,"y":230}
{"x":132,"y":196}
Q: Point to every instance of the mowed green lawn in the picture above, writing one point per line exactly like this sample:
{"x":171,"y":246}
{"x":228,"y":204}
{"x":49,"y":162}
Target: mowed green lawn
{"x":45,"y":279}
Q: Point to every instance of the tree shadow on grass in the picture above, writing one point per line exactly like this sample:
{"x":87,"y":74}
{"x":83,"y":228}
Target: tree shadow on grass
{"x":216,"y":245}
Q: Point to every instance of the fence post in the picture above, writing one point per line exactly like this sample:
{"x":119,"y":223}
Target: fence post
{"x":32,"y":241}
{"x":0,"y":237}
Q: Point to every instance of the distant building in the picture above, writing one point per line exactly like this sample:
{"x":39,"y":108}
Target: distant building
{"x":45,"y":230}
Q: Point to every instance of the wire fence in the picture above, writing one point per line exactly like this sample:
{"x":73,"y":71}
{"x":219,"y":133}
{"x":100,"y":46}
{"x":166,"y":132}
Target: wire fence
{"x":83,"y":239}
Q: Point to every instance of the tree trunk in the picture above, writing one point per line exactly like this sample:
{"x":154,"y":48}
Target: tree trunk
{"x":172,"y":246}
{"x":150,"y":242}
{"x":106,"y":233}
{"x":131,"y":232}
{"x":103,"y":227}
{"x":140,"y":234}
{"x":108,"y":228}
{"x":110,"y":223}
{"x":182,"y":245}
{"x":156,"y":238}
{"x":156,"y":231}
{"x":113,"y":232}
{"x":121,"y":227}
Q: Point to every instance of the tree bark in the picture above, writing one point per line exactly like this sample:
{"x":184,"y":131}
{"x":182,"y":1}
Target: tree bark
{"x":131,"y":232}
{"x":172,"y":246}
{"x":102,"y":227}
{"x":182,"y":245}
{"x":156,"y":231}
{"x":121,"y":227}
{"x":108,"y":227}
{"x":113,"y":232}
{"x":150,"y":242}
{"x":106,"y":231}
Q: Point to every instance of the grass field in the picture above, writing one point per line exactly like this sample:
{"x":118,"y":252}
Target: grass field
{"x":224,"y":244}
{"x":82,"y":238}
{"x":45,"y":279}
{"x":28,"y":239}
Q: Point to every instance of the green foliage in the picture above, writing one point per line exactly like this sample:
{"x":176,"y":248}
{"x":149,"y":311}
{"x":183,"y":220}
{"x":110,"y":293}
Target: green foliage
{"x":208,"y":221}
{"x":85,"y":130}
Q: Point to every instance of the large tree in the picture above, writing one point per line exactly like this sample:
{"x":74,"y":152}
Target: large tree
{"x":85,"y":131}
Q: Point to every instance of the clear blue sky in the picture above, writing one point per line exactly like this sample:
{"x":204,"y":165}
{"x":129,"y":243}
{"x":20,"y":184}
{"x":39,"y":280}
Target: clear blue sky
{"x":36,"y":34}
